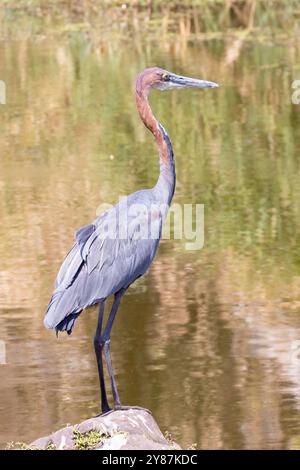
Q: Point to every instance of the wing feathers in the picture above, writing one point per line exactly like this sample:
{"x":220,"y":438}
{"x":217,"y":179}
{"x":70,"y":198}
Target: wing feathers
{"x":99,"y":264}
{"x":82,"y":234}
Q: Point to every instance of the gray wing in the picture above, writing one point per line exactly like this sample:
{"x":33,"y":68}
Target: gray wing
{"x":106,"y":257}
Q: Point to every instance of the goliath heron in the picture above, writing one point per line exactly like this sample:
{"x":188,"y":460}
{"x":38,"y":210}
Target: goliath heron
{"x":102,"y":263}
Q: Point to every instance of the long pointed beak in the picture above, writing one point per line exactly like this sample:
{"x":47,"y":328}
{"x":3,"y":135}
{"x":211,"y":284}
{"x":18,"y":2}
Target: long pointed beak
{"x":185,"y":82}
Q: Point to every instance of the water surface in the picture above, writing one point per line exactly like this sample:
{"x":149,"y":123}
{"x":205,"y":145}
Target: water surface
{"x":208,"y":340}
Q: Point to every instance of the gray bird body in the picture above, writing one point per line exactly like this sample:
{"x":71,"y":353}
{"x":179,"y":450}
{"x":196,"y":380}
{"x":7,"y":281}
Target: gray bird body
{"x":110,"y":253}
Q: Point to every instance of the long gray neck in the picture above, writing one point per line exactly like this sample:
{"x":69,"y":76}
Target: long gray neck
{"x":166,"y":182}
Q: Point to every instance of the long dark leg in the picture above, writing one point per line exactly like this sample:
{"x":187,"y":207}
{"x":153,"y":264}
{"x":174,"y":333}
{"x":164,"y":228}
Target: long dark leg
{"x":106,"y":342}
{"x":98,"y":345}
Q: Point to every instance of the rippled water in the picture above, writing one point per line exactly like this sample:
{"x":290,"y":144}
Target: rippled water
{"x":208,"y":340}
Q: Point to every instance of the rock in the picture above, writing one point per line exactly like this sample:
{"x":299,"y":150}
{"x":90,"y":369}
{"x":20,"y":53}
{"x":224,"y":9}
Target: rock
{"x":117,"y":430}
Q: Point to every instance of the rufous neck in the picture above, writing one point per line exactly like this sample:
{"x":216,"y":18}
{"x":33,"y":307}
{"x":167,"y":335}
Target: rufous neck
{"x":167,"y":165}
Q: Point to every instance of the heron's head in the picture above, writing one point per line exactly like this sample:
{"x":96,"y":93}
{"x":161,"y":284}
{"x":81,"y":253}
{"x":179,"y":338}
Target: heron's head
{"x":163,"y":80}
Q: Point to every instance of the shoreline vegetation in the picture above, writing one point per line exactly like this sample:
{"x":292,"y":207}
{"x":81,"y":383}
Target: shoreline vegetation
{"x":154,"y":20}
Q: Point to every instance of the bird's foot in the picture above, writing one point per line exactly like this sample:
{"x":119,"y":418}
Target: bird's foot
{"x":105,"y":412}
{"x":126,"y":408}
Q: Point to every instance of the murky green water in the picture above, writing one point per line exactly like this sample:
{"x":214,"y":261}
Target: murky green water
{"x":208,"y":340}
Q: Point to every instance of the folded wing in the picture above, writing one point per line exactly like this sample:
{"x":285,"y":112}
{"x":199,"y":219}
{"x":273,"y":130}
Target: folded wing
{"x":108,"y":256}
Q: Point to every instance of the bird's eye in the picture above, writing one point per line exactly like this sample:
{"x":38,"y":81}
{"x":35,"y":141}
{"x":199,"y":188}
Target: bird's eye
{"x":165,"y":77}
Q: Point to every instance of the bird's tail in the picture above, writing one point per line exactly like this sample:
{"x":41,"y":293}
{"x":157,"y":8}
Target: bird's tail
{"x":56,"y":315}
